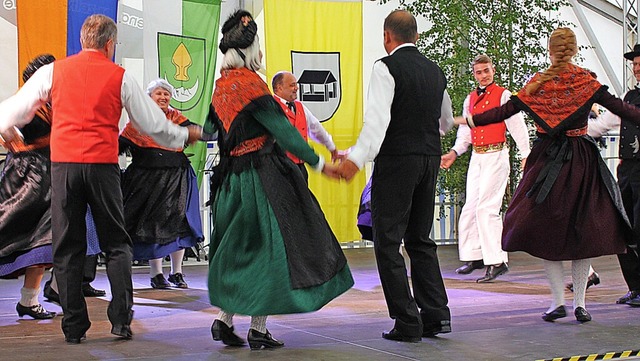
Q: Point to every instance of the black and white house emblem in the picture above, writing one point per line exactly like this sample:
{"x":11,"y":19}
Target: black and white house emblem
{"x":319,"y":83}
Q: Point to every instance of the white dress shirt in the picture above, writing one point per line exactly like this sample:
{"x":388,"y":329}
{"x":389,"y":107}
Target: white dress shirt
{"x":377,"y":115}
{"x":144,"y":113}
{"x":515,"y":125}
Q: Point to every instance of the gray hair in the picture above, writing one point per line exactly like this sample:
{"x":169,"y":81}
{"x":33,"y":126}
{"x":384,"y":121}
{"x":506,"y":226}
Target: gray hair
{"x":232,"y":59}
{"x":96,"y":31}
{"x":160,"y":83}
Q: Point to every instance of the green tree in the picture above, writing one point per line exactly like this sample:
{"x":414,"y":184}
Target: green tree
{"x":512,"y":32}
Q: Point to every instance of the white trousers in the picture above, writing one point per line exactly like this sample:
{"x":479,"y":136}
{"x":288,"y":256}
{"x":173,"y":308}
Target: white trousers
{"x":480,"y":224}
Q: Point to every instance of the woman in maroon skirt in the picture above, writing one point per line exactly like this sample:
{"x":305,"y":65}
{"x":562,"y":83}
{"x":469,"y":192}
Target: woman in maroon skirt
{"x":567,"y":206}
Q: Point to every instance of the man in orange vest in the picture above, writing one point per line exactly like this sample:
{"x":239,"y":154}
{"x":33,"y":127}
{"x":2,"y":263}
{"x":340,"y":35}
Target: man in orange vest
{"x":285,"y":88}
{"x":88,"y":92}
{"x":480,"y":222}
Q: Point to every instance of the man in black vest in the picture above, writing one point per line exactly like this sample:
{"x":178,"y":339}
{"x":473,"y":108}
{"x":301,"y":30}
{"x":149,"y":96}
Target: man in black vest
{"x":629,"y":182}
{"x":407,"y":110}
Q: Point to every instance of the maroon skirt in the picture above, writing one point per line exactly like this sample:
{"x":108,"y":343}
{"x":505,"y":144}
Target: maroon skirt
{"x":579,"y":216}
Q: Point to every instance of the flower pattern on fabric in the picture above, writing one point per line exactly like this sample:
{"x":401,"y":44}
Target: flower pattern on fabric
{"x":234,"y":91}
{"x":556,"y":100}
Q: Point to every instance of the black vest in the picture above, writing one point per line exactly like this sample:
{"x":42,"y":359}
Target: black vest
{"x":629,"y":130}
{"x":415,"y":111}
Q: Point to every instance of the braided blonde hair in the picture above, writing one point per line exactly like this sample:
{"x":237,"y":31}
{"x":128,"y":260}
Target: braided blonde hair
{"x":562,"y":47}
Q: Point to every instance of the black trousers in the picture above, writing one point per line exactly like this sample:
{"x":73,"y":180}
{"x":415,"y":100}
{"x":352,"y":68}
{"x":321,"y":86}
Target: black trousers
{"x":305,"y":173}
{"x":629,"y":182}
{"x":74,"y":185}
{"x":402,"y":206}
{"x":89,"y":271}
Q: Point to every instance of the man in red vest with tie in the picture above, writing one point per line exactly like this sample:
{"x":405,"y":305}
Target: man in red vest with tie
{"x":285,"y":88}
{"x":87,"y":92}
{"x":480,"y":222}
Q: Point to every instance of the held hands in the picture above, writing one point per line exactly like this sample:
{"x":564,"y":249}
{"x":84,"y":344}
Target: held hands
{"x":195,"y":133}
{"x":446,"y":160}
{"x":459,"y":120}
{"x":345,"y":169}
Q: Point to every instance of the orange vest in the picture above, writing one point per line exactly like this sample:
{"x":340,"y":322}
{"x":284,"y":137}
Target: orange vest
{"x":492,"y":133}
{"x":298,"y":120}
{"x":86,"y":107}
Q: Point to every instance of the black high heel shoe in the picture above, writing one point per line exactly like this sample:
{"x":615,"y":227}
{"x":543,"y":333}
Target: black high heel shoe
{"x":221,"y":332}
{"x":257,"y":340}
{"x":559,"y":312}
{"x":37,"y":312}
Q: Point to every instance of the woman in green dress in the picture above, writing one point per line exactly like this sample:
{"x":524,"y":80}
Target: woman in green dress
{"x":272,"y":250}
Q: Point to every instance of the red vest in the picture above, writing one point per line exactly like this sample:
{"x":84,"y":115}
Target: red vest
{"x":298,"y":120}
{"x":492,"y":133}
{"x":86,"y":107}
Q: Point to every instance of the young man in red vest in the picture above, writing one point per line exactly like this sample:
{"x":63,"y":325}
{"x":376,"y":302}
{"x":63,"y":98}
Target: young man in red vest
{"x":480,"y":222}
{"x":285,"y":89}
{"x":88,"y":92}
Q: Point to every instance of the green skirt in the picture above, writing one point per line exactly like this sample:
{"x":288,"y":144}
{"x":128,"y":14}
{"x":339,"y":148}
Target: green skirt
{"x":249,"y":272}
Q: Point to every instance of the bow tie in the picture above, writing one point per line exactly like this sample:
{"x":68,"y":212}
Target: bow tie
{"x":292,"y":106}
{"x":481,"y":91}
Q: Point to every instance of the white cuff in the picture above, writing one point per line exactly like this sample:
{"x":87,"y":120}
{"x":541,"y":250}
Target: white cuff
{"x":320,"y":165}
{"x":470,"y":121}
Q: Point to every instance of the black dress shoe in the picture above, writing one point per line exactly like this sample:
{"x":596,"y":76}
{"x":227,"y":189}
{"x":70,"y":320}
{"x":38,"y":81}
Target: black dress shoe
{"x":395,"y":335}
{"x":178,"y":280}
{"x":628,"y":297}
{"x":221,"y":332}
{"x":493,"y":272}
{"x":123,"y":331}
{"x":559,"y":312}
{"x":593,"y":280}
{"x":37,"y":312}
{"x":159,"y":282}
{"x":634,"y":302}
{"x":257,"y":340}
{"x":468,"y":267}
{"x":50,"y":294}
{"x":582,"y":315}
{"x":89,"y":291}
{"x":433,"y":329}
{"x":76,"y":340}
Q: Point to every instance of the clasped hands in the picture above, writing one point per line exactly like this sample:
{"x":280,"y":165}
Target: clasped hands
{"x":340,"y":167}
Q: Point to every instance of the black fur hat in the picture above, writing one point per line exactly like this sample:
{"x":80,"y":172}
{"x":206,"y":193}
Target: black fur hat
{"x":35,"y":64}
{"x":238,"y":31}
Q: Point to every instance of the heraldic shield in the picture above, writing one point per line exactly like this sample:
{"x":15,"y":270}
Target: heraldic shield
{"x":182,"y":62}
{"x":319,"y":81}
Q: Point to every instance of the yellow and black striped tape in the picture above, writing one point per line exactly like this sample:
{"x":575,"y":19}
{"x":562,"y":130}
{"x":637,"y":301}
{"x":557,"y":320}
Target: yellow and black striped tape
{"x":594,"y":357}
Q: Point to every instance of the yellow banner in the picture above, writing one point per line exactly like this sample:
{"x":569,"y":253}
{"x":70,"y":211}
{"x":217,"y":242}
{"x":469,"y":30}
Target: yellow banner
{"x":320,"y":42}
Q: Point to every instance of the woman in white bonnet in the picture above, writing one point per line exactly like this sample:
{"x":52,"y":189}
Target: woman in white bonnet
{"x":160,"y":193}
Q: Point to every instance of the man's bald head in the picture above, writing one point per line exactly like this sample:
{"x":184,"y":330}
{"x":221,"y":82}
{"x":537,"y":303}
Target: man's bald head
{"x":402,"y":26}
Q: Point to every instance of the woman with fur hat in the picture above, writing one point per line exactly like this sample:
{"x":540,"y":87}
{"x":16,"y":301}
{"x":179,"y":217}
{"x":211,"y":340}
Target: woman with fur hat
{"x":567,"y":206}
{"x":272,"y":250}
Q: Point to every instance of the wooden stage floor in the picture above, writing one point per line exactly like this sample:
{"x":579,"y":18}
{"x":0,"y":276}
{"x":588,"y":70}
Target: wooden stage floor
{"x":496,"y":321}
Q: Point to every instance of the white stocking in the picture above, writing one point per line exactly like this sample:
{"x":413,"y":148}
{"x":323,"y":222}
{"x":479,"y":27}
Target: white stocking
{"x":155,"y":267}
{"x":554,"y":271}
{"x":580,"y":274}
{"x":259,"y":323}
{"x":29,"y":296}
{"x":226,"y":318}
{"x":176,"y":261}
